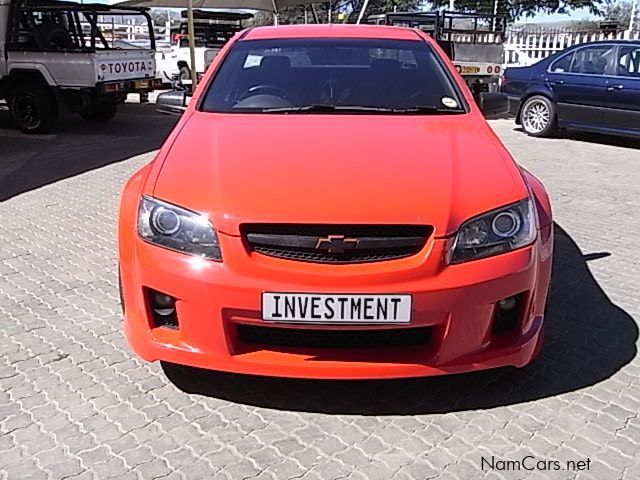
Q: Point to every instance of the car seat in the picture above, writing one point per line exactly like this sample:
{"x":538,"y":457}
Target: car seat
{"x":385,"y":80}
{"x":54,"y":37}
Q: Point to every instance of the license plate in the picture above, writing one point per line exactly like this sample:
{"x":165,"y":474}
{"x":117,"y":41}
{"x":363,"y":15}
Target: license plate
{"x":141,"y":84}
{"x":468,"y":69}
{"x":335,"y":308}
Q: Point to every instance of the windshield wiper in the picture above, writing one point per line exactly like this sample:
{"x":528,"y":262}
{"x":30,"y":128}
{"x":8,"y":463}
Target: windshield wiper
{"x":325,"y":108}
{"x":322,"y":108}
{"x":427,"y":110}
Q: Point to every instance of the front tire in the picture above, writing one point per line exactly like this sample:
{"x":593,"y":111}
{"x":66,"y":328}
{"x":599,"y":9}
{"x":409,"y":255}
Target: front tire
{"x":99,"y":112}
{"x":538,"y":117}
{"x":33,"y":107}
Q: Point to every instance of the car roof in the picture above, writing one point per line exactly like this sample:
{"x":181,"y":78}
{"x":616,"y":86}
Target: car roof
{"x":332,"y":31}
{"x":616,"y":41}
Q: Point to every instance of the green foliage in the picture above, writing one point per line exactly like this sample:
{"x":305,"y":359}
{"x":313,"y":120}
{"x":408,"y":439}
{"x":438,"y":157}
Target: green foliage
{"x":383,"y":6}
{"x":342,"y":11}
{"x":515,"y":9}
{"x":617,"y":11}
{"x":159,"y":16}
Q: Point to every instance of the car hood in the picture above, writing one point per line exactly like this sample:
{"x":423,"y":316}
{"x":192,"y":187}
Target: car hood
{"x":357,"y":169}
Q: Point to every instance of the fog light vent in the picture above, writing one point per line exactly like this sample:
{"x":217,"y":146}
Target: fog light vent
{"x":163,"y":309}
{"x":507,"y":313}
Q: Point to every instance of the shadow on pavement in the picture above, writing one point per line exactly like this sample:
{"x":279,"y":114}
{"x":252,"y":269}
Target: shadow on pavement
{"x":590,"y":137}
{"x":625,"y":142}
{"x":588,"y":340}
{"x":28,"y":162}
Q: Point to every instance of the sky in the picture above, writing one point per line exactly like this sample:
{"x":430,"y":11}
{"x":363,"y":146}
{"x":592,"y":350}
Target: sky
{"x":578,"y":14}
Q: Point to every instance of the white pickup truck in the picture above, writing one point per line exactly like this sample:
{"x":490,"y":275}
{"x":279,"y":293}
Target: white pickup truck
{"x":54,"y":54}
{"x":212,"y":31}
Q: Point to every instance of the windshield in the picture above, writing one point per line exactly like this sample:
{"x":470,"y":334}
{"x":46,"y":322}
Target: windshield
{"x":332,"y":75}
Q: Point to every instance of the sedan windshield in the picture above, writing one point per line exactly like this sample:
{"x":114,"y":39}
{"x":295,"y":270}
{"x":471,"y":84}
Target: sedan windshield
{"x":296,"y":76}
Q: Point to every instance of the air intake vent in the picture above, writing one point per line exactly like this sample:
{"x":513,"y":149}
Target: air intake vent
{"x":312,"y":338}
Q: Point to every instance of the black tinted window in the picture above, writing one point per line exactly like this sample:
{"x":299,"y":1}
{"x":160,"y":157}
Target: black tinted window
{"x":592,"y":60}
{"x":629,"y":62}
{"x":259,"y":75}
{"x":563,"y":64}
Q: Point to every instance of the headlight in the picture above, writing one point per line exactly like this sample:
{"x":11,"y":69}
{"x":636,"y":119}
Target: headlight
{"x":499,"y":231}
{"x":177,"y":229}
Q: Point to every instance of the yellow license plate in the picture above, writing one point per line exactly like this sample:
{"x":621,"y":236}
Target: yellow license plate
{"x":142,"y":84}
{"x":468,"y":69}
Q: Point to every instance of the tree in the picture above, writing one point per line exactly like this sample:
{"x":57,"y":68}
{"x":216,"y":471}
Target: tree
{"x":515,"y":9}
{"x":342,"y":11}
{"x":384,"y":6}
{"x":512,"y":9}
{"x":617,"y":11}
{"x":612,"y":11}
{"x":159,"y":16}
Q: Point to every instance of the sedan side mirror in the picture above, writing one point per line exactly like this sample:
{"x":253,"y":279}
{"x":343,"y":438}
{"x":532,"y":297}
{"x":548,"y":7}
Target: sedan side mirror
{"x":493,"y":105}
{"x":173,"y":103}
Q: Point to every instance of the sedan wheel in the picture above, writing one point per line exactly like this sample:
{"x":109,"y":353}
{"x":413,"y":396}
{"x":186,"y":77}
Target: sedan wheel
{"x":538,"y":116}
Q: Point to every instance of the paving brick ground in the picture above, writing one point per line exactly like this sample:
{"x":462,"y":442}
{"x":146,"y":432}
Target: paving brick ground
{"x":75,"y":404}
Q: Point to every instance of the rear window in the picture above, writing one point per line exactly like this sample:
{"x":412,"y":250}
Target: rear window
{"x":276,"y":74}
{"x":563,"y":64}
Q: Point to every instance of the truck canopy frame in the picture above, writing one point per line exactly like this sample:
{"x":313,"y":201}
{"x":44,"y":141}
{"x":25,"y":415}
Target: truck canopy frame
{"x":60,"y":26}
{"x":449,"y":26}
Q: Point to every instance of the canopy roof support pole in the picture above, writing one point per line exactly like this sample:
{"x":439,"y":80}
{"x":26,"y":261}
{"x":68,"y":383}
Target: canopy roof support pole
{"x":275,"y":12}
{"x":362,"y":10}
{"x":192,"y":46}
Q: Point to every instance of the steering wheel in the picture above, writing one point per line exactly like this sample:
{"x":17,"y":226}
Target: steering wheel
{"x":265,"y":90}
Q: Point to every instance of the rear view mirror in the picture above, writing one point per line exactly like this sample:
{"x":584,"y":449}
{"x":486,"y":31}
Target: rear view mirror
{"x":173,"y":103}
{"x":493,"y":104}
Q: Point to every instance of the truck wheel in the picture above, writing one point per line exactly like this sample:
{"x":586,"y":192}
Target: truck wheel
{"x":538,"y":117}
{"x":99,"y":112}
{"x":33,"y":108}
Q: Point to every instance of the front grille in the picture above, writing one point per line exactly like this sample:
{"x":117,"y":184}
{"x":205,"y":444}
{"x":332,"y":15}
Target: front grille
{"x":312,"y":338}
{"x":336,"y":243}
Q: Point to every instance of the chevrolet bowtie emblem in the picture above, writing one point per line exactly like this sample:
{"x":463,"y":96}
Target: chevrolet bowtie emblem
{"x":336,"y":243}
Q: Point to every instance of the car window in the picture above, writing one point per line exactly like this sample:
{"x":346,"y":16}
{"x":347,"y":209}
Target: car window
{"x":592,"y":60}
{"x":262,"y":75}
{"x":563,"y":64}
{"x":629,"y":61}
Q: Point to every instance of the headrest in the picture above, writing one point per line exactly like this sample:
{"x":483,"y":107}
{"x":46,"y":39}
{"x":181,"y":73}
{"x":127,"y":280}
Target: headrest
{"x":275,"y":62}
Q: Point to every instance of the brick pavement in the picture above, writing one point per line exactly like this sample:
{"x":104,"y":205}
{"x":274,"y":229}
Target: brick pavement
{"x":75,"y":404}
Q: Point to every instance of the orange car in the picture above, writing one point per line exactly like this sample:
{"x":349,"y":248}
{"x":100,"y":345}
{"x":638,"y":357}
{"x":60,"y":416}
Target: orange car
{"x":332,"y":204}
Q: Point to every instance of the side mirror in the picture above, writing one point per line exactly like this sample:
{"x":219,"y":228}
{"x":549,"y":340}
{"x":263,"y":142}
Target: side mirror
{"x":173,"y":103}
{"x":493,"y":104}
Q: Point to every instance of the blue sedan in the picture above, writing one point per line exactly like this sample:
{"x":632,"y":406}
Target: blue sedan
{"x":592,"y":86}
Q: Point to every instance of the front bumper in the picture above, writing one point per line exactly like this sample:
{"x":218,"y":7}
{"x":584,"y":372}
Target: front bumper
{"x":456,"y":302}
